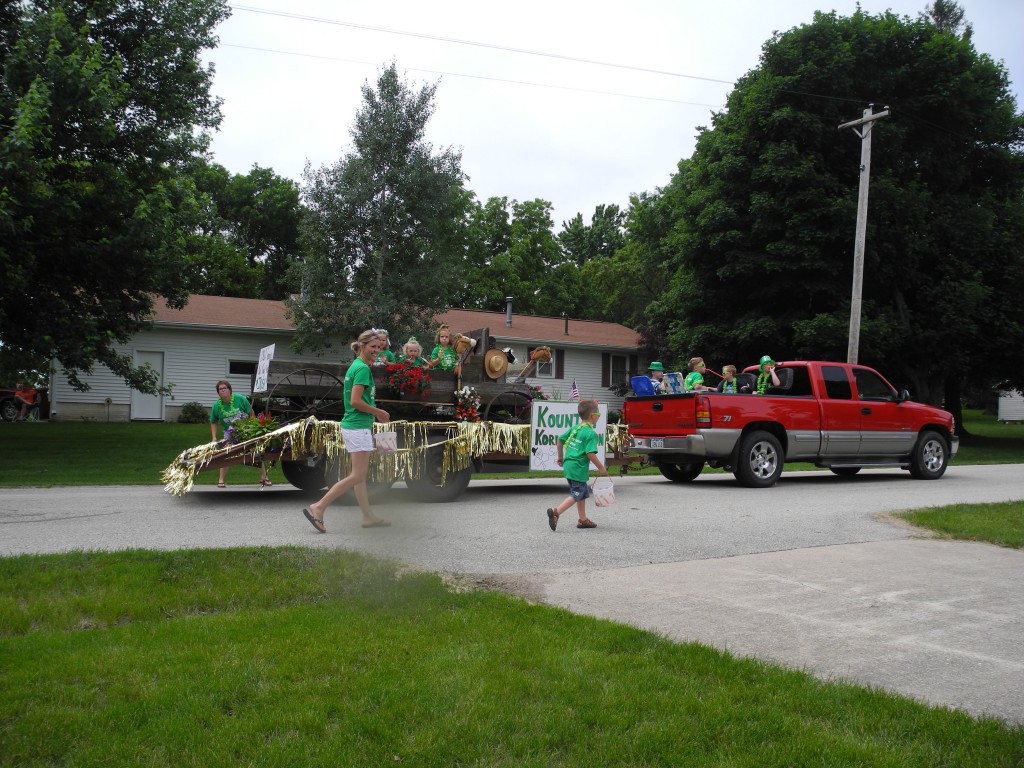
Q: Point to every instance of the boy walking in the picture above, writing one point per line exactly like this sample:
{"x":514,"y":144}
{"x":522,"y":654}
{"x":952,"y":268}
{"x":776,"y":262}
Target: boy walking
{"x":579,"y":446}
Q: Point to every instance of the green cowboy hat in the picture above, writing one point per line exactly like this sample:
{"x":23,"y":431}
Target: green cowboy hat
{"x":655,"y":366}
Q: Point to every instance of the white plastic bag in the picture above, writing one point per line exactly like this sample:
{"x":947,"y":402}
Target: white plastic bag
{"x":386,"y":442}
{"x":603,"y":491}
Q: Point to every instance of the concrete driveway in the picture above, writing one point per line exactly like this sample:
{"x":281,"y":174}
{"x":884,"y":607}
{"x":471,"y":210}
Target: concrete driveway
{"x":810,"y":574}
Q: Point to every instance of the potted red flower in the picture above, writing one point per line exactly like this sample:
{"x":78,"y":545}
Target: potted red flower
{"x":408,"y":380}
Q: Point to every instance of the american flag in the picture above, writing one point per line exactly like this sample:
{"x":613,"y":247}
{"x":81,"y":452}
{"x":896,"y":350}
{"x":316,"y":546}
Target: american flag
{"x":574,"y":393}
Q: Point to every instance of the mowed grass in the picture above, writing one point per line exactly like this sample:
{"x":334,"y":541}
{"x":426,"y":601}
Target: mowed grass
{"x":294,"y":657}
{"x":1000,"y":523}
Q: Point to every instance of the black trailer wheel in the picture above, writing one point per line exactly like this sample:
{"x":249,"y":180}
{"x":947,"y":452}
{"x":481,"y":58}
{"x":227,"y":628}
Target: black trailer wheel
{"x":759,"y":462}
{"x":844,"y":471}
{"x":681,"y":473}
{"x":305,"y":476}
{"x":930,"y":457}
{"x":509,"y":407}
{"x":307,"y":392}
{"x":428,"y":486}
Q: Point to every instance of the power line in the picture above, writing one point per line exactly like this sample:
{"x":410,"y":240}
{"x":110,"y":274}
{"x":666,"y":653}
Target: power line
{"x":474,"y":77}
{"x":458,"y":41}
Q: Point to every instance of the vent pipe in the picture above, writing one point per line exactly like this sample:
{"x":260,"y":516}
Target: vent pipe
{"x":566,"y":317}
{"x":508,"y":311}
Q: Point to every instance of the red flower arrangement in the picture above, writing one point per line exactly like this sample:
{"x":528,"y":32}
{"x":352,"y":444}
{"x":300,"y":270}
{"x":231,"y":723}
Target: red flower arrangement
{"x":408,"y":379}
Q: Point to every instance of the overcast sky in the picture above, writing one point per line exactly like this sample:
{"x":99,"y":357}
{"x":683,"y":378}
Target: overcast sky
{"x":563,"y":126}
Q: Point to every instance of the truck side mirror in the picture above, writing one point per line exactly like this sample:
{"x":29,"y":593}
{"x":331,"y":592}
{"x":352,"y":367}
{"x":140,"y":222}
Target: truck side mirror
{"x":903,"y":396}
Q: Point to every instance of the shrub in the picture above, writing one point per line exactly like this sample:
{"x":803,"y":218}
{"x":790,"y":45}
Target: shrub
{"x":193,"y":413}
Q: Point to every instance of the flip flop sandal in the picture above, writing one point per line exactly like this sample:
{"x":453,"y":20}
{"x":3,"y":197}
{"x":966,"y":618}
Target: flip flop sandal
{"x":318,"y":524}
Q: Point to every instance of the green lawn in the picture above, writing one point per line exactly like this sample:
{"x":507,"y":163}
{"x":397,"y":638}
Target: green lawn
{"x":296,"y":657}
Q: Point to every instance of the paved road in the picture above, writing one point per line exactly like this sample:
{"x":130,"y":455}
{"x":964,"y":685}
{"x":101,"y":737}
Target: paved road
{"x":809,"y":573}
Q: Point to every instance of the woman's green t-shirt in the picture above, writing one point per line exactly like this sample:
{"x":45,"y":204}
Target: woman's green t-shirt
{"x":359,"y":373}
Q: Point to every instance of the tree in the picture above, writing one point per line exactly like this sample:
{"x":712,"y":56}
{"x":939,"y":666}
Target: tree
{"x":253,"y":232}
{"x":483,"y":284}
{"x":102,"y":103}
{"x":769,"y":203}
{"x":601,"y":239}
{"x":385,"y":224}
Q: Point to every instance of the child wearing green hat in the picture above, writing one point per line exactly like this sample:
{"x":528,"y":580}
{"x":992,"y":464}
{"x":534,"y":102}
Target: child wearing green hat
{"x":656,"y":371}
{"x":766,"y":376}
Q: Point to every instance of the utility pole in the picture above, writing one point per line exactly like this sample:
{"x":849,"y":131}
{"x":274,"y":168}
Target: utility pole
{"x":862,"y":222}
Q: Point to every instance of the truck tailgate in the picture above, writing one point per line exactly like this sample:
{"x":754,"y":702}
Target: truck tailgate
{"x":660,"y":415}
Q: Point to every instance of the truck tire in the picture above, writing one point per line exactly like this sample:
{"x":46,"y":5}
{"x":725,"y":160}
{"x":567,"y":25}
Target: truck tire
{"x":681,"y":473}
{"x":759,"y":461}
{"x":930,"y":457}
{"x":303,"y":476}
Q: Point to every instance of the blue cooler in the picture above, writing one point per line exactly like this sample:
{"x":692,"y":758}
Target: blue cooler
{"x":641,"y":385}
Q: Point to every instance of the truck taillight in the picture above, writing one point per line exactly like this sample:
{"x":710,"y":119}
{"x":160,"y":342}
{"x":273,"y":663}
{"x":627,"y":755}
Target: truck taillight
{"x":703,"y":405}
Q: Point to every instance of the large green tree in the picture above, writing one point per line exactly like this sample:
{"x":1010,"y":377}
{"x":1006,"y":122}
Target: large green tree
{"x":385,"y":224}
{"x":768,"y":204}
{"x":102,"y":104}
{"x":252,"y":222}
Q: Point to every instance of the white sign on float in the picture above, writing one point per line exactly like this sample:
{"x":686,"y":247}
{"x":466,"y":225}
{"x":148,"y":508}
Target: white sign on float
{"x":263,"y":370}
{"x":549,"y":419}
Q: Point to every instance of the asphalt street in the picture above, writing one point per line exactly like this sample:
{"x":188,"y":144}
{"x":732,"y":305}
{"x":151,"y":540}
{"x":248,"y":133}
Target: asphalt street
{"x":812,"y":573}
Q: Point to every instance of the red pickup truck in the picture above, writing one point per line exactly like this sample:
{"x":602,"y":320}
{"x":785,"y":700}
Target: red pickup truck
{"x":835,"y":415}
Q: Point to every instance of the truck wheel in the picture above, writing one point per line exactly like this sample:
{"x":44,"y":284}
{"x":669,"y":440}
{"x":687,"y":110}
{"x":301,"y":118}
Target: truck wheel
{"x":681,"y":473}
{"x":303,"y":476}
{"x":930,"y":457}
{"x":844,"y":471}
{"x":759,"y":462}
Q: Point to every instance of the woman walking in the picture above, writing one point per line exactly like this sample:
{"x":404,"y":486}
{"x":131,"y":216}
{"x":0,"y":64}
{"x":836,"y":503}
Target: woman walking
{"x":357,"y":432}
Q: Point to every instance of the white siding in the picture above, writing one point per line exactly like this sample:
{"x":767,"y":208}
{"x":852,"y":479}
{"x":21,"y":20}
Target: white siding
{"x":583,"y":365}
{"x":193,"y":361}
{"x":1011,"y":406}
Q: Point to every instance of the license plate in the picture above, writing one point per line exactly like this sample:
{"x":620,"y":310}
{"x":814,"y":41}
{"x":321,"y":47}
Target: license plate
{"x":657,"y":442}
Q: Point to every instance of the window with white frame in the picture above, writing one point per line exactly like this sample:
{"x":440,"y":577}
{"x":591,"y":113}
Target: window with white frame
{"x":544,"y":370}
{"x":241,"y":367}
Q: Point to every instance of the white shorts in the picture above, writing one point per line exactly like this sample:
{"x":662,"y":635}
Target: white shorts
{"x":357,"y":440}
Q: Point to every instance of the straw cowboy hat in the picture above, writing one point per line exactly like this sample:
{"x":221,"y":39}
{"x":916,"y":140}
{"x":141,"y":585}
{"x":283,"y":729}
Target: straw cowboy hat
{"x":495,"y":363}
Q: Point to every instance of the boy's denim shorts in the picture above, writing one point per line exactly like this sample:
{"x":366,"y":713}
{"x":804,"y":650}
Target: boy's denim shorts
{"x":578,"y":490}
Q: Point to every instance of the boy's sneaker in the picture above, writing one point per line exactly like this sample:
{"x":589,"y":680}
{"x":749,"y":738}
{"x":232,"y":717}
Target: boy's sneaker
{"x":552,"y":519}
{"x":586,"y":523}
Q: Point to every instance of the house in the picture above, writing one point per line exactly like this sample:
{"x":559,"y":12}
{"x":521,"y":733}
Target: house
{"x":215,"y":337}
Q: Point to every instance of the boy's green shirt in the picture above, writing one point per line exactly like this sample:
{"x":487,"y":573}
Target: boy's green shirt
{"x":578,"y":441}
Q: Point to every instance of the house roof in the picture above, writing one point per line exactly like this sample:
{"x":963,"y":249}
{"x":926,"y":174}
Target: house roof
{"x":226,"y":313}
{"x":527,"y":328}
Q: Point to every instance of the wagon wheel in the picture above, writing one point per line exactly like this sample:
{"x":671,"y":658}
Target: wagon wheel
{"x":509,"y":407}
{"x":307,"y":392}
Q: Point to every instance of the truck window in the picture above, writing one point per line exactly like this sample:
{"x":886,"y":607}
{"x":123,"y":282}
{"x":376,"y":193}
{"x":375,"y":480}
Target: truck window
{"x":870,"y":386}
{"x":801,"y":386}
{"x":837,"y":383}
